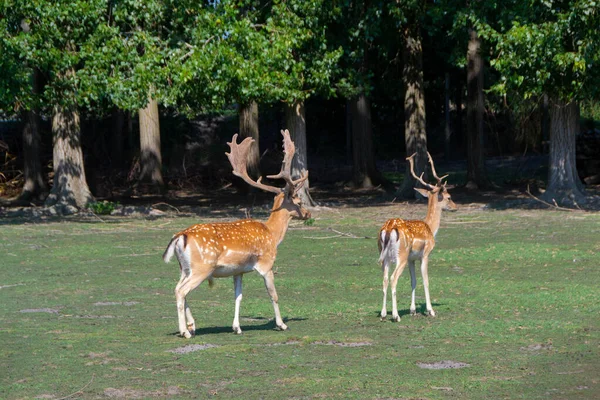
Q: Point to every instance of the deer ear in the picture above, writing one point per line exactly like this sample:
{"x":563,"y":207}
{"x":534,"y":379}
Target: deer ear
{"x":424,"y":192}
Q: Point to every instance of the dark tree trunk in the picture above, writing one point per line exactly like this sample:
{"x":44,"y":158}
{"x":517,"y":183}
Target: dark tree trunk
{"x":476,"y":173}
{"x":415,"y":135}
{"x":295,"y":122}
{"x":564,"y":185}
{"x":447,"y":130}
{"x":35,"y":186}
{"x":150,"y":155}
{"x":364,"y":171}
{"x":118,"y":120}
{"x":70,"y":188}
{"x":348,"y":131}
{"x":248,"y":115}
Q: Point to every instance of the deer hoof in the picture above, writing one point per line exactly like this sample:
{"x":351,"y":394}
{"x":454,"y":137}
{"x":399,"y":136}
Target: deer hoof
{"x":186,"y":334}
{"x":396,"y":318}
{"x":282,"y":327}
{"x":431,"y":313}
{"x":413,"y":311}
{"x":237,"y":330}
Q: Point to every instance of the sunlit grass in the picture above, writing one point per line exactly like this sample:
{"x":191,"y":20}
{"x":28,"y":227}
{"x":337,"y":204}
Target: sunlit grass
{"x":88,"y":308}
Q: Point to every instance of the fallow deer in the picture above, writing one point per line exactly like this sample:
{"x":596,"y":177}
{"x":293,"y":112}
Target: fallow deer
{"x":403,"y":242}
{"x":218,"y":250}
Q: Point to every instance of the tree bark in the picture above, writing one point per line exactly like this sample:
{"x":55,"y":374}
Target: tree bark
{"x":248,"y":115}
{"x":364,"y":171}
{"x":415,"y":135}
{"x":70,"y":188}
{"x":447,"y":130}
{"x":564,"y":185}
{"x":35,"y":187}
{"x":295,"y":122}
{"x":118,"y":120}
{"x":150,"y":155}
{"x":476,"y":173}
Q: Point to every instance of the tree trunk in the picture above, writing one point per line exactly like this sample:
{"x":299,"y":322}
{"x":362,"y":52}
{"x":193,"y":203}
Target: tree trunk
{"x":248,"y":114}
{"x":70,"y":188}
{"x":564,"y":185}
{"x":415,"y":135}
{"x":295,"y":122}
{"x":447,"y":130}
{"x":35,"y":187}
{"x":364,"y":170}
{"x":150,"y":155}
{"x":118,"y":120}
{"x":476,"y":173}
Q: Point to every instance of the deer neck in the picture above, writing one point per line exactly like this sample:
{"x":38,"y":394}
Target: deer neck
{"x":434,"y":214}
{"x":278,"y":224}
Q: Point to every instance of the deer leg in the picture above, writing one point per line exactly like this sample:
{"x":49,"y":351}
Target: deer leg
{"x":270,"y":285}
{"x":386,"y":281}
{"x":426,"y":285}
{"x":191,"y":324}
{"x":237,"y":284}
{"x":186,"y":285}
{"x":413,"y":284}
{"x":400,"y":264}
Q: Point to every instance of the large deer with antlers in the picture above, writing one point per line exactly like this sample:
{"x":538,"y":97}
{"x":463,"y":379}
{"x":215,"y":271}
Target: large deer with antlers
{"x":207,"y":251}
{"x":403,"y":242}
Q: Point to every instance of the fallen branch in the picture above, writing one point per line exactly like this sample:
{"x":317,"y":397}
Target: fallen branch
{"x":79,"y":391}
{"x":555,"y":205}
{"x":350,"y":235}
{"x":339,"y":234}
{"x":168,"y":205}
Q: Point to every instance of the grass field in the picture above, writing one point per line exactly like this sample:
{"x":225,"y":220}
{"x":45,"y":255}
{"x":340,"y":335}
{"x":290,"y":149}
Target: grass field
{"x":87,"y":311}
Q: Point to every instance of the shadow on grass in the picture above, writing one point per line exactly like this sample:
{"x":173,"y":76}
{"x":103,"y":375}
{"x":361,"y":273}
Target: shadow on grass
{"x":267,"y":326}
{"x":421,"y":311}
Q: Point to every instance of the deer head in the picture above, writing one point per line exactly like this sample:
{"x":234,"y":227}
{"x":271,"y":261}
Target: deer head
{"x":286,"y":198}
{"x":438,"y":194}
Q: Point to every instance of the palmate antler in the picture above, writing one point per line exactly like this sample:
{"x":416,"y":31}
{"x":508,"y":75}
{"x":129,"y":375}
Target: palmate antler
{"x":238,"y":157}
{"x":420,"y":178}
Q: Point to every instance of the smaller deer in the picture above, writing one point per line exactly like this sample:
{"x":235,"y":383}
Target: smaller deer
{"x":403,"y":242}
{"x":207,"y":251}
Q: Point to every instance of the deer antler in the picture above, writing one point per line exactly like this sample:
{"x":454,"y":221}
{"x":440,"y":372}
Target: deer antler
{"x":289,"y":150}
{"x":239,"y":155}
{"x":238,"y":158}
{"x":439,"y":180}
{"x":412,"y":171}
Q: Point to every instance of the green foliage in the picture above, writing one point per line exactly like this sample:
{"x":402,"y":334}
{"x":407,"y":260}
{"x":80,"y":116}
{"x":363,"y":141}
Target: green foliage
{"x":242,"y":51}
{"x":102,"y":207}
{"x":548,"y":48}
{"x":97,"y":316}
{"x":309,"y":222}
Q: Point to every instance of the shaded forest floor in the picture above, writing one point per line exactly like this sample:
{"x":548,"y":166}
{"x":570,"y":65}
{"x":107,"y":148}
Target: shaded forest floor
{"x":517,"y":181}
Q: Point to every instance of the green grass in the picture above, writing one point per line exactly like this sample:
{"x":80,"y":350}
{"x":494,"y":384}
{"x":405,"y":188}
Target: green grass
{"x":516,"y":293}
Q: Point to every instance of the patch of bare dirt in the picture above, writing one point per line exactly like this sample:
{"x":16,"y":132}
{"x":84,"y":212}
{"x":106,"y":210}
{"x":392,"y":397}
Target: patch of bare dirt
{"x":141,"y":394}
{"x":116,"y":303}
{"x":40,"y":310}
{"x":343,"y":344}
{"x":289,"y":342}
{"x":445,"y":364}
{"x":536,"y":347}
{"x":192,"y":347}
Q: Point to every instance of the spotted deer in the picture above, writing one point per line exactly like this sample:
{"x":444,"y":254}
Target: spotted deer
{"x":403,"y":242}
{"x":219,"y":250}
